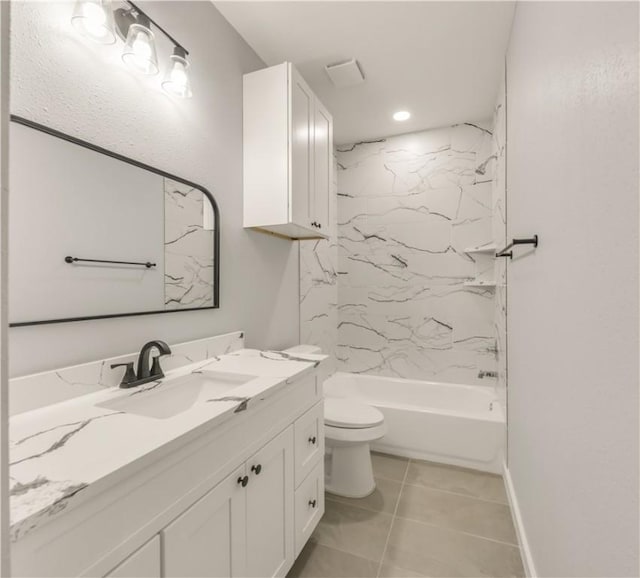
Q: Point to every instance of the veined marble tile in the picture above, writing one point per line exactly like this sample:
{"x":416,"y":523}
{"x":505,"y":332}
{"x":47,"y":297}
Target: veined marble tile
{"x":499,"y":225}
{"x":408,"y":207}
{"x":319,"y":286}
{"x":42,"y":389}
{"x":188,"y":247}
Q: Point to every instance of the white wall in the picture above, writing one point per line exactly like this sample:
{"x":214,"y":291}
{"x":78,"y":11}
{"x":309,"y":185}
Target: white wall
{"x":572,"y":177}
{"x":4,"y":263}
{"x":64,"y":81}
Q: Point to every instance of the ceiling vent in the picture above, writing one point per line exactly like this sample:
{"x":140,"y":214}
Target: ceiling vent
{"x":345,"y":74}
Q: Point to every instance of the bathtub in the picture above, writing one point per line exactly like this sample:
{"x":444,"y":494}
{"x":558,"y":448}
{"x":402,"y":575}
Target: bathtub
{"x":461,"y":425}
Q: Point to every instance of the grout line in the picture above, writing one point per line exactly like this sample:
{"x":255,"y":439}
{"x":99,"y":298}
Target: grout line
{"x":437,"y":489}
{"x":393,"y":517}
{"x":448,"y":529}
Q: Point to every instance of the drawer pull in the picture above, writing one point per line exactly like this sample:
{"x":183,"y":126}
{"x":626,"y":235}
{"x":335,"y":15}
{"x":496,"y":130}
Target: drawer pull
{"x":312,"y":503}
{"x":243,"y":481}
{"x":312,"y":440}
{"x":257,"y":469}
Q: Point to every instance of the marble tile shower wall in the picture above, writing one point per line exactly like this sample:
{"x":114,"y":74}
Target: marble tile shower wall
{"x":408,"y":207}
{"x":319,"y":287}
{"x":500,"y":237}
{"x":188,"y":247}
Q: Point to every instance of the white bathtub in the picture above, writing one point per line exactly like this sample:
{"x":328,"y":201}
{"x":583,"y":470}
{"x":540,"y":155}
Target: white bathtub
{"x":454,"y":424}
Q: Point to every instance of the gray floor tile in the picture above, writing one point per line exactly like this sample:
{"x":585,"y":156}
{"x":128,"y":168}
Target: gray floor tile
{"x":389,"y":571}
{"x":457,"y":512}
{"x":434,"y":550}
{"x":353,"y":530}
{"x":318,"y":561}
{"x":389,"y":467}
{"x":460,"y":480}
{"x":383,"y":499}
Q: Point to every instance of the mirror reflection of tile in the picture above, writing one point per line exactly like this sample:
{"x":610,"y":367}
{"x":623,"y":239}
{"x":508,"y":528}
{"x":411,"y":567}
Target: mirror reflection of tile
{"x":188,"y":247}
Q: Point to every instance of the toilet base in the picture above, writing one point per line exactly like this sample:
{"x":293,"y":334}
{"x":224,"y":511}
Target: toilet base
{"x":349,"y":471}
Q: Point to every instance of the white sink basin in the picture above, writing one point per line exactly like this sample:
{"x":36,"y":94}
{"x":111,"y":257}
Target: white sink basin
{"x":173,"y":396}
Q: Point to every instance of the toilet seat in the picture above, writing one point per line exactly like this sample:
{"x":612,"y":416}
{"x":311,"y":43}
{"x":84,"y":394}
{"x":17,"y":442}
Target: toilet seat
{"x":340,"y":413}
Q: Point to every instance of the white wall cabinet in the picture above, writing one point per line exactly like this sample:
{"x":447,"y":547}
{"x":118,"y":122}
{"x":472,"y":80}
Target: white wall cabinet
{"x":288,"y":153}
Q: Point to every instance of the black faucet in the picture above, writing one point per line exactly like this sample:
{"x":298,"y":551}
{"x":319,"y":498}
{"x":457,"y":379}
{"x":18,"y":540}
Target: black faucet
{"x":144,"y":373}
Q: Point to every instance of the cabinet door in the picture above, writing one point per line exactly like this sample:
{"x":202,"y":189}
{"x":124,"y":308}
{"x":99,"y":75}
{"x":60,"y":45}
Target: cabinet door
{"x":270,"y":521}
{"x":322,"y":165}
{"x":300,"y":202}
{"x":143,"y":563}
{"x":209,"y":538}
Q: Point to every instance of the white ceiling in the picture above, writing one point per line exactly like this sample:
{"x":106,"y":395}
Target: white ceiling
{"x":440,"y":60}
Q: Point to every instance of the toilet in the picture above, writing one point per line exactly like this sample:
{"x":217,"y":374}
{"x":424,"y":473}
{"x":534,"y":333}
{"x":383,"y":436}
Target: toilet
{"x":349,"y":427}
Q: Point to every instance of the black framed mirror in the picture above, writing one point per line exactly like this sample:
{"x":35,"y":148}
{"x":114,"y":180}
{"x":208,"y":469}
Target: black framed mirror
{"x":94,"y":234}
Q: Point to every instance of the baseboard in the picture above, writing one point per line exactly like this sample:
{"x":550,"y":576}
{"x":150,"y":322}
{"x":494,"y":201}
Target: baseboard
{"x":527,"y":559}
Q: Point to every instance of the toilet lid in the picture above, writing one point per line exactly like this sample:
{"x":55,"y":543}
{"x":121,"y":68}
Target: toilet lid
{"x":345,"y":413}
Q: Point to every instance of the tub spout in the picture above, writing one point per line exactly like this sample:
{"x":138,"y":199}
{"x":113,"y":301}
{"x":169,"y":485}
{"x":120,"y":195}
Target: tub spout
{"x":482,"y":374}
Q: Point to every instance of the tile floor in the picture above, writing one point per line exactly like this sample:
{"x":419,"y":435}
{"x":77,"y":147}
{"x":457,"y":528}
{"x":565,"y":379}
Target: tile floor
{"x":423,"y":519}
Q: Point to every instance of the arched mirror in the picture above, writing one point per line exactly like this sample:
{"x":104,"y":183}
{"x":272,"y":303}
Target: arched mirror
{"x":94,"y":234}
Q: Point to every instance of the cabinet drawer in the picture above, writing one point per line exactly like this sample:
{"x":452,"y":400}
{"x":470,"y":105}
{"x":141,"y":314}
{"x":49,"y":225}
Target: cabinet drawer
{"x":309,"y":441}
{"x":309,"y":505}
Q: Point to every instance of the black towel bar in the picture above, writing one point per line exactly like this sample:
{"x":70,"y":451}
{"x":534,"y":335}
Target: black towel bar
{"x":506,"y":253}
{"x":69,"y":259}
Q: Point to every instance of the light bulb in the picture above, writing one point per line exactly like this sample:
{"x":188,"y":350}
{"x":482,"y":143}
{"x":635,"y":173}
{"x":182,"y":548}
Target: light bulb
{"x":94,"y":18}
{"x":401,"y":115}
{"x":176,"y":81}
{"x":140,"y":49}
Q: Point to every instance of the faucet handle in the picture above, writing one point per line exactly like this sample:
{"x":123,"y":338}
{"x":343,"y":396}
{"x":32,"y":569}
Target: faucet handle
{"x":156,"y":370}
{"x":129,"y":374}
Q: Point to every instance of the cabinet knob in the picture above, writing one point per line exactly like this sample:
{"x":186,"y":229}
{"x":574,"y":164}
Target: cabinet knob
{"x":257,"y":469}
{"x":312,"y":440}
{"x":243,"y":481}
{"x":312,"y":503}
{"x":319,"y":226}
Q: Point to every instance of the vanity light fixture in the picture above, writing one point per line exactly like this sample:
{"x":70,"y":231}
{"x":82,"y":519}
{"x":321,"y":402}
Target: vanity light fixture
{"x":94,"y":19}
{"x":401,"y":115}
{"x":97,"y":19}
{"x":176,"y":81}
{"x":140,"y":48}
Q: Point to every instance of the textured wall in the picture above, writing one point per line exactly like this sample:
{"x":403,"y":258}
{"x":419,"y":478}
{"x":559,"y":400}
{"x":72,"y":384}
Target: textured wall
{"x":71,"y":84}
{"x":572,"y":177}
{"x":408,"y":208}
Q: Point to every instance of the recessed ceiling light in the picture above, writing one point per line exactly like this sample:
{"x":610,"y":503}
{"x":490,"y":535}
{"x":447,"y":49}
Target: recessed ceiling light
{"x":401,"y":115}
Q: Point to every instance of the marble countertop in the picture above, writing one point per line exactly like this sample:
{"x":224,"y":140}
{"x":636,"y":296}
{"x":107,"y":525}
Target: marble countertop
{"x":59,"y":453}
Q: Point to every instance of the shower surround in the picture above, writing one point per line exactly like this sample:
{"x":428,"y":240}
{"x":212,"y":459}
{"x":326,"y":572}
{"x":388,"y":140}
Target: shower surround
{"x":409,"y":207}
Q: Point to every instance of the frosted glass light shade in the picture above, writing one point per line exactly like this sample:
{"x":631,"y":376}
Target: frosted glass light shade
{"x":94,"y":19}
{"x":176,"y":81}
{"x":140,"y":48}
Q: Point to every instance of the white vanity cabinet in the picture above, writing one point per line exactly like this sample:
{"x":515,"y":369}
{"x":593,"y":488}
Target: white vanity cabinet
{"x":209,"y":538}
{"x":244,"y":526}
{"x":288,"y":154}
{"x":143,"y":563}
{"x":238,"y":500}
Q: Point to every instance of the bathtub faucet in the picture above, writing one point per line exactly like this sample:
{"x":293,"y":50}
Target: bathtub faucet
{"x":482,"y":374}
